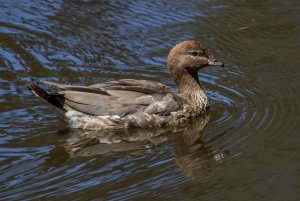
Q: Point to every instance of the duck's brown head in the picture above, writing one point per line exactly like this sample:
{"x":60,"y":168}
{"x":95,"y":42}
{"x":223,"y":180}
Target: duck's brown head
{"x":191,"y":56}
{"x":184,"y":62}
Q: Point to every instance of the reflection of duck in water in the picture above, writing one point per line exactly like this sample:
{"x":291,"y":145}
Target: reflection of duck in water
{"x":193,"y":157}
{"x":137,"y":103}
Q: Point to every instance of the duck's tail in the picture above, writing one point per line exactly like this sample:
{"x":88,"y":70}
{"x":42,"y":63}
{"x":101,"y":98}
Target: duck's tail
{"x":54,"y":99}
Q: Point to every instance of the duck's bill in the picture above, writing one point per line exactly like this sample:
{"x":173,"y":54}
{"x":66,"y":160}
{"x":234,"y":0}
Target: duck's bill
{"x":215,"y":63}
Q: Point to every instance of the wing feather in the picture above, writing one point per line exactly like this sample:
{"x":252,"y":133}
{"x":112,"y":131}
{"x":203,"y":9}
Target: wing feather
{"x":88,"y":109}
{"x":122,"y":97}
{"x":86,"y":98}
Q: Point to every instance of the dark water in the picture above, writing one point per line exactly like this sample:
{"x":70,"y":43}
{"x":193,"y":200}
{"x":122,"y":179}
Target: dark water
{"x":247,"y":148}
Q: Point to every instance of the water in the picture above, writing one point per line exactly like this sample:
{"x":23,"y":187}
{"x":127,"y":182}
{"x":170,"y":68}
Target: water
{"x":246,"y":148}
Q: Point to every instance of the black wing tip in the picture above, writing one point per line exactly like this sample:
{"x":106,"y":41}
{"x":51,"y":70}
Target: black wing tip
{"x":38,"y":91}
{"x":30,"y":86}
{"x":53,"y":99}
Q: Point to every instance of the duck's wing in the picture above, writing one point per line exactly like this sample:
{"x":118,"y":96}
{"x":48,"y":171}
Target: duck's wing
{"x":120,"y":97}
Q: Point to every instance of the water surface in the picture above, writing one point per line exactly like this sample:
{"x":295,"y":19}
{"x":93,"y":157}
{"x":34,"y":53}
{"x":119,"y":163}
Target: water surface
{"x":246,"y":148}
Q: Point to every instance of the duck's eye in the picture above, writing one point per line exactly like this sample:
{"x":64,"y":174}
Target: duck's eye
{"x":196,"y":53}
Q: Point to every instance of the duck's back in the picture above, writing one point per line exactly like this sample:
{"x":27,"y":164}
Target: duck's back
{"x":114,"y":104}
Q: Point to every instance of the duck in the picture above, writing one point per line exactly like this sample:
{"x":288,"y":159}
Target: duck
{"x":133,"y":103}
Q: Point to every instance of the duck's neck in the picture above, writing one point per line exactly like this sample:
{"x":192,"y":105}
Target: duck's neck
{"x":190,"y":87}
{"x":187,"y":81}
